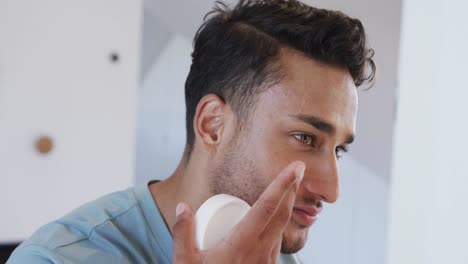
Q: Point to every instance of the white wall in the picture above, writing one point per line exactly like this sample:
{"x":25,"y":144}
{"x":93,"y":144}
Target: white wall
{"x":161,"y":112}
{"x":56,"y":79}
{"x":428,"y":212}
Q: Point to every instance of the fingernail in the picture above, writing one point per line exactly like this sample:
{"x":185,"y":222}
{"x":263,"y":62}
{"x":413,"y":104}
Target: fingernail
{"x":180,"y":209}
{"x":300,"y":172}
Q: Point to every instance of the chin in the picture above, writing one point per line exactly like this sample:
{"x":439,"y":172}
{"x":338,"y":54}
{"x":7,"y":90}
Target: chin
{"x":294,"y":238}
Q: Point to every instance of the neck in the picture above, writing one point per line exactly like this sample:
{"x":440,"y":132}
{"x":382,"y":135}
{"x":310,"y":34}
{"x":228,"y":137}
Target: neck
{"x":188,"y":183}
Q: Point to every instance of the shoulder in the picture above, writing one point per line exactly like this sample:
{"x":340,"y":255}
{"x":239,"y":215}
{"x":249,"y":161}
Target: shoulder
{"x":83,"y":232}
{"x":81,"y":223}
{"x":32,"y":254}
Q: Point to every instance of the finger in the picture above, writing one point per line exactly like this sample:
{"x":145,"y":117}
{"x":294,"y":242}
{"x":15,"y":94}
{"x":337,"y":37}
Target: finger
{"x":275,"y":252}
{"x":184,"y":235}
{"x":282,"y":216}
{"x":261,"y":213}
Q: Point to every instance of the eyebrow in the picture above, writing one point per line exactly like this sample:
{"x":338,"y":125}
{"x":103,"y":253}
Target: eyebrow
{"x":321,"y":125}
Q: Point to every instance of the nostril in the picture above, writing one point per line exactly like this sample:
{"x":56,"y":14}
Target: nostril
{"x":319,"y":203}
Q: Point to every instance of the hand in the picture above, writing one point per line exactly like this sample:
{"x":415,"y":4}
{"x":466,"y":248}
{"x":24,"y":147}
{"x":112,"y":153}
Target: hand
{"x":256,"y":239}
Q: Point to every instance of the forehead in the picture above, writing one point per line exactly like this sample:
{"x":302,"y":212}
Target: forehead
{"x":313,"y":88}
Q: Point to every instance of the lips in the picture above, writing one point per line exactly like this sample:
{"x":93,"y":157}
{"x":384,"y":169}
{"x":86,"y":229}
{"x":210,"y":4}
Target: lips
{"x":306,"y":215}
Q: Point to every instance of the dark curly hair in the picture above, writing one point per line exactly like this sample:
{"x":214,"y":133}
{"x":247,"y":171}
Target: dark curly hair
{"x":236,"y":51}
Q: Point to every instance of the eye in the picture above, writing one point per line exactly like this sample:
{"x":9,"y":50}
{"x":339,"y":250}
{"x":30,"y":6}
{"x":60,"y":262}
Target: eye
{"x":340,"y":150}
{"x":305,"y":139}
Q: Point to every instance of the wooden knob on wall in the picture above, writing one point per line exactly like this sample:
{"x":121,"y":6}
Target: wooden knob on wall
{"x":44,"y":144}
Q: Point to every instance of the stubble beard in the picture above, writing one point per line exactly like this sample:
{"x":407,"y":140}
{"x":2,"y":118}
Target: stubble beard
{"x":291,"y":245}
{"x":238,"y":175}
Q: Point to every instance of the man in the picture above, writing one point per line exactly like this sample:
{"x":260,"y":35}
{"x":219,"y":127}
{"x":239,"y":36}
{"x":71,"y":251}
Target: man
{"x":271,"y":105}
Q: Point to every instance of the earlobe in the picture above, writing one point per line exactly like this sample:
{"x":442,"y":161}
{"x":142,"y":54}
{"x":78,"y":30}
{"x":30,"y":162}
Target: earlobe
{"x":209,"y":121}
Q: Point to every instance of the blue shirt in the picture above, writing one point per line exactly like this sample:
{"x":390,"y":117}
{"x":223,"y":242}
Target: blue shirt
{"x":122,"y":227}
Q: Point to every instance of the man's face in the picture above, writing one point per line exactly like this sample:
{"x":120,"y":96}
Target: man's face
{"x":309,"y":116}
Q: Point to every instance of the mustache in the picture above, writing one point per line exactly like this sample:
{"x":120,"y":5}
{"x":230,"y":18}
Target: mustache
{"x":314,"y":202}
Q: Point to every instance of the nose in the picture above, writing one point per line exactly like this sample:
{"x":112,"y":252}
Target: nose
{"x":321,"y":179}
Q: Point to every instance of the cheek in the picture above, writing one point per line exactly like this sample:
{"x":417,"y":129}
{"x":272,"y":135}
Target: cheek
{"x":272,"y":156}
{"x":271,"y":152}
{"x":263,"y":153}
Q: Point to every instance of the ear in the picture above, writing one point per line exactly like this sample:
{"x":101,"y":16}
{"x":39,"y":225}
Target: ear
{"x":210,"y":120}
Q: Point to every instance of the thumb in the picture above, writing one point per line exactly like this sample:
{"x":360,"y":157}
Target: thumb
{"x":183,"y":232}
